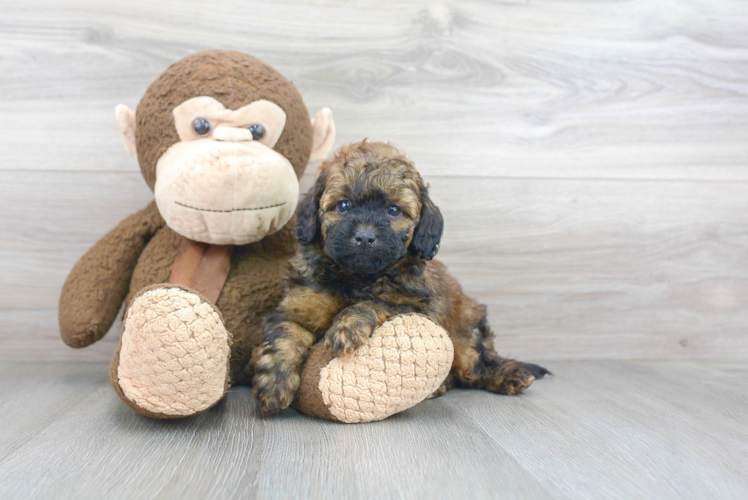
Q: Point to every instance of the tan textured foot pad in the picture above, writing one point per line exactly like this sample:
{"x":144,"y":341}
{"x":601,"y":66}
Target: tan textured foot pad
{"x":404,"y":361}
{"x":174,"y":353}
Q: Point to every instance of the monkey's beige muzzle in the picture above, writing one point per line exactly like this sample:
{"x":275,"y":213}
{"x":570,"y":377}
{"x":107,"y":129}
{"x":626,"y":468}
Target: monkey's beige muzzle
{"x":225,"y":193}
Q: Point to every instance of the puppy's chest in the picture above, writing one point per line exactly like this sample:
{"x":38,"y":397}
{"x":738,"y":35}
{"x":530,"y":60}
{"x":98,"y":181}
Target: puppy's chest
{"x":398,"y":296}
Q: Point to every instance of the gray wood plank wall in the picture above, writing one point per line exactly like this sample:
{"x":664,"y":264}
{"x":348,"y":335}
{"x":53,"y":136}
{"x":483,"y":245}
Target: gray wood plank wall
{"x":590,"y":158}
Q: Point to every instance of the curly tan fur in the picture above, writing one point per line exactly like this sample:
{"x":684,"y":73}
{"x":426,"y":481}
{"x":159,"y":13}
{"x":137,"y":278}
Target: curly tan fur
{"x":325,"y":300}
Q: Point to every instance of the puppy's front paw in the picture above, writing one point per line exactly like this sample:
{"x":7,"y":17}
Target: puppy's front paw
{"x":346,"y":334}
{"x":276,"y":379}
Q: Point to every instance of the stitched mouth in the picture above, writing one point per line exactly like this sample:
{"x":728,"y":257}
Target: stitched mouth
{"x":230,"y":210}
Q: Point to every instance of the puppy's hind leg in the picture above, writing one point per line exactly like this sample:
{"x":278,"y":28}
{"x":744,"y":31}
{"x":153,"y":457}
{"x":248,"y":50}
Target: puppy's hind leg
{"x":447,"y":385}
{"x":476,"y":365}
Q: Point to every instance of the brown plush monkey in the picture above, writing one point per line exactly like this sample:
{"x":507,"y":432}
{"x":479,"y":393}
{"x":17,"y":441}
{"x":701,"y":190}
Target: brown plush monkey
{"x":221,"y":139}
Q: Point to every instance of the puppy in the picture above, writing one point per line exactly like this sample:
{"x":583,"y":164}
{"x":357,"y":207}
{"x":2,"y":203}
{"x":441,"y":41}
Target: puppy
{"x":367,"y":233}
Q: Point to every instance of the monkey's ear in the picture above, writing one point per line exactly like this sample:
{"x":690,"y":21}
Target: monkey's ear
{"x":126,"y":127}
{"x":323,"y":134}
{"x":428,"y":234}
{"x":307,"y":221}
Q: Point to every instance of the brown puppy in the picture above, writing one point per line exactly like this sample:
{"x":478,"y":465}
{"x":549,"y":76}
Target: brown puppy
{"x":367,"y":233}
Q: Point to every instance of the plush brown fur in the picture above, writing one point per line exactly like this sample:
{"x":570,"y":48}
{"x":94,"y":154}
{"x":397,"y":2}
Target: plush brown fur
{"x":100,"y":281}
{"x":342,"y":299}
{"x":140,"y":251}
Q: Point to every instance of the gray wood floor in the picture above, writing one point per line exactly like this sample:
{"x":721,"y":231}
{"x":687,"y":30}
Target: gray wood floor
{"x":606,"y":429}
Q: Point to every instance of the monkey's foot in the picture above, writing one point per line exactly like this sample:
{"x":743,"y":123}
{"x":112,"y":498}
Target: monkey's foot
{"x":173,"y":357}
{"x":404,"y":361}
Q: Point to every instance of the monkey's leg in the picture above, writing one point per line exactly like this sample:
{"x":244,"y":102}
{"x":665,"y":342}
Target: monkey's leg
{"x":277,"y":363}
{"x":173,"y":357}
{"x":476,"y":365}
{"x":398,"y":366}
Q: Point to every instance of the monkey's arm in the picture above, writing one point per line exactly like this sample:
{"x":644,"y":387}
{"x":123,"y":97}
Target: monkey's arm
{"x":94,"y":290}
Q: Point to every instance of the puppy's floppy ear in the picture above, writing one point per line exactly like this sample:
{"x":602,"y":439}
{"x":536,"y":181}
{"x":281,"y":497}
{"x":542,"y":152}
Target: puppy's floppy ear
{"x":307,"y":224}
{"x":428,"y":234}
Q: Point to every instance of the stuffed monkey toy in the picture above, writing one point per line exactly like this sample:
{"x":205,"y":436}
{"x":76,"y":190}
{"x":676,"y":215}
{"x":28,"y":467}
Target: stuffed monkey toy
{"x":222,"y":139}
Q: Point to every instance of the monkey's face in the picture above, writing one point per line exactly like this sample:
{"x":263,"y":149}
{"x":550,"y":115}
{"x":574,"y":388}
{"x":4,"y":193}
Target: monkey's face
{"x":372,"y":208}
{"x":222,"y":139}
{"x":222,"y":182}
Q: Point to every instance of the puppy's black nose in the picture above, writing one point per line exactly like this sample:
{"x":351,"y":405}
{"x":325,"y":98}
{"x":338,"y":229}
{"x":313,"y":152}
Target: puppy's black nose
{"x":363,"y":236}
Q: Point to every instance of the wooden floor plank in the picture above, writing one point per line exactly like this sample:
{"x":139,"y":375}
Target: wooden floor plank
{"x":58,"y":388}
{"x":100,"y":448}
{"x":628,"y":430}
{"x":605,"y":429}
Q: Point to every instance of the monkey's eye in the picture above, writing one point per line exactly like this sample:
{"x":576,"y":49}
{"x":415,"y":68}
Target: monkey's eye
{"x":257,"y":131}
{"x":344,"y":206}
{"x":201,"y":126}
{"x":394,"y":211}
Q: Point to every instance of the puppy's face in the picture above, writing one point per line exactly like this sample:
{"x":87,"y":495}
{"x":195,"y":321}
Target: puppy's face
{"x":368,"y":213}
{"x":369,"y":209}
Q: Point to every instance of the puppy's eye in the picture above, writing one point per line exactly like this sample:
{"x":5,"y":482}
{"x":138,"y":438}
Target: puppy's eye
{"x":344,"y":206}
{"x":258,"y":131}
{"x":394,"y":211}
{"x":201,"y":126}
